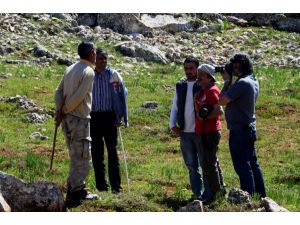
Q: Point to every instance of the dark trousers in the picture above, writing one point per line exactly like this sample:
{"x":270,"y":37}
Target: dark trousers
{"x":243,"y":154}
{"x":103,"y":129}
{"x":209,"y":161}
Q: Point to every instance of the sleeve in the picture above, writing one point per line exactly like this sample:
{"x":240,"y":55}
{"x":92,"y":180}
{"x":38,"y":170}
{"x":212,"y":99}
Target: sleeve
{"x":174,"y":110}
{"x":84,"y":88}
{"x":124,"y":99}
{"x":59,"y":95}
{"x":235,"y":91}
{"x":213,"y":97}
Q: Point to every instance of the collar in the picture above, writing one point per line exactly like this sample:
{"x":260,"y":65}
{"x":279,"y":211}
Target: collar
{"x":88,"y":63}
{"x":104,"y":71}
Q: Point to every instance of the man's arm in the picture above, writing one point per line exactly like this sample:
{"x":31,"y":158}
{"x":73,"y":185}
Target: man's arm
{"x":173,"y":116}
{"x":59,"y":93}
{"x":224,"y":100}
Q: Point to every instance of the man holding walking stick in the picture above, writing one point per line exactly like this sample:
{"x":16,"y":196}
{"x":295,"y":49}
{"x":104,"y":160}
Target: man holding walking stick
{"x":74,"y":115}
{"x":109,"y":108}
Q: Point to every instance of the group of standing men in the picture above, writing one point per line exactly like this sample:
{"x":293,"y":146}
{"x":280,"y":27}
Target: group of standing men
{"x":91,"y":105}
{"x":195,"y":117}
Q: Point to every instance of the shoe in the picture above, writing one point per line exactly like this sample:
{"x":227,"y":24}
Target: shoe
{"x":117,"y":190}
{"x":208,"y":201}
{"x":74,"y":199}
{"x":102,"y":189}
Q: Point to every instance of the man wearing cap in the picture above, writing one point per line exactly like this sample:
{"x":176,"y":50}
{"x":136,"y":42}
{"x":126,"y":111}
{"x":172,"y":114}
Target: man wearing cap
{"x":75,"y":94}
{"x":240,"y":99}
{"x":208,"y":126}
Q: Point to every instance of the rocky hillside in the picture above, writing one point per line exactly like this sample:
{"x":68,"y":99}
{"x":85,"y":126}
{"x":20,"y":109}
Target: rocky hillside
{"x":163,"y":38}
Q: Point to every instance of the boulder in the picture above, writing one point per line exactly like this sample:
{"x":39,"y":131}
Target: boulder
{"x":237,"y":21}
{"x":36,"y":197}
{"x":4,"y":207}
{"x":87,"y":19}
{"x":238,"y":196}
{"x":123,"y":23}
{"x":195,"y":206}
{"x":179,"y":27}
{"x":289,"y":24}
{"x":140,"y":50}
{"x":41,"y":51}
{"x":271,"y":206}
{"x":6,"y":50}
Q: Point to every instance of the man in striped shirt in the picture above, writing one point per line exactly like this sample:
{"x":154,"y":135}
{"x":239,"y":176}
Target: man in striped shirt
{"x":108,"y":109}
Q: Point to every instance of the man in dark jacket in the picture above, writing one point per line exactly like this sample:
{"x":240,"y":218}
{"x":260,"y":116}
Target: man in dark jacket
{"x":109,"y":108}
{"x":182,"y":123}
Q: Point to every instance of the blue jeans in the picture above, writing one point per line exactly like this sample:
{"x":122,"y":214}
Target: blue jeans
{"x":243,"y":154}
{"x":189,"y":144}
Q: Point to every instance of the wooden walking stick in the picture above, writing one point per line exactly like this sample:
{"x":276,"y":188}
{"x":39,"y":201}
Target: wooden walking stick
{"x":55,"y":132}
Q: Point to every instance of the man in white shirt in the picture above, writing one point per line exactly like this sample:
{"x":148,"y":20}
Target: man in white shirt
{"x":182,"y":123}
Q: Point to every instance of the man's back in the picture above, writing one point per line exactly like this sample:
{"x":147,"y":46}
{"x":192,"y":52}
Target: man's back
{"x":240,"y":112}
{"x":77,"y":86}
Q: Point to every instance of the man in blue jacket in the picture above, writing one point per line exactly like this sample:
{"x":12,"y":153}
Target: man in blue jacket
{"x":109,"y":108}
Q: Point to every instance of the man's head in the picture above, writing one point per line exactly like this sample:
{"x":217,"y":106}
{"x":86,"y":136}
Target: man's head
{"x":206,"y":74}
{"x":101,"y":60}
{"x":87,"y":51}
{"x":242,"y":64}
{"x":190,"y":67}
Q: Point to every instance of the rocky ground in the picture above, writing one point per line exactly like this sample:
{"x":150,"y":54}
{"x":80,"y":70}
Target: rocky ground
{"x":48,"y":38}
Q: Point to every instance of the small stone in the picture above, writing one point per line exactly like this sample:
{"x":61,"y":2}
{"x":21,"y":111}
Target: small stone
{"x":150,"y":105}
{"x":4,"y":207}
{"x":195,"y":206}
{"x":271,"y":206}
{"x":238,"y":196}
{"x":35,"y":135}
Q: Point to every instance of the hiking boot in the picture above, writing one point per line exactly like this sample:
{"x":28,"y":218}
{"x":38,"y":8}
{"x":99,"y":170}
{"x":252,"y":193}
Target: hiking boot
{"x":117,"y":190}
{"x":74,"y":199}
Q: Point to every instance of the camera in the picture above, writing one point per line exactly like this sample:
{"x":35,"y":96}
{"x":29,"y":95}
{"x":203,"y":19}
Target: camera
{"x":227,"y":67}
{"x":205,"y":111}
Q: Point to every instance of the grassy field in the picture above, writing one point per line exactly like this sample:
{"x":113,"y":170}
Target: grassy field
{"x":159,"y":180}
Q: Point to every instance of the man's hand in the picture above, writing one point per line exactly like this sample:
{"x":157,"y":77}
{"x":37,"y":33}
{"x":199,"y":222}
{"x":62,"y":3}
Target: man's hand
{"x":176,"y":130}
{"x":58,"y":118}
{"x":225,"y":75}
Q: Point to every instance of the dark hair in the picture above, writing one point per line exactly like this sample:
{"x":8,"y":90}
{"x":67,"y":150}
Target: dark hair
{"x":243,"y":59}
{"x":101,"y":51}
{"x":84,"y":49}
{"x":191,"y":59}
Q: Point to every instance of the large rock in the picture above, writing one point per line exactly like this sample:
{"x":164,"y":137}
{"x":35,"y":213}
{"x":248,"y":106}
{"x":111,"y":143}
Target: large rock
{"x":140,"y":50}
{"x":122,"y":23}
{"x":284,"y":22}
{"x":289,"y":24}
{"x":41,"y":51}
{"x":271,"y":206}
{"x":87,"y":19}
{"x":169,"y":23}
{"x":179,"y":27}
{"x":195,"y":206}
{"x":37,"y":197}
{"x":4,"y":207}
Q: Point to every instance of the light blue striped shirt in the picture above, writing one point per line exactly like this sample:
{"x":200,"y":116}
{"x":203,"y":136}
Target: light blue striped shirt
{"x":102,"y":92}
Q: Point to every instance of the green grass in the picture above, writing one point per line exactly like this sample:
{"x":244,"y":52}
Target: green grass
{"x":158,"y":177}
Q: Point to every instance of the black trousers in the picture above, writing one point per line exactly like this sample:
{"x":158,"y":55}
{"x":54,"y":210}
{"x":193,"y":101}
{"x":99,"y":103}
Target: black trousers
{"x":103,"y":129}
